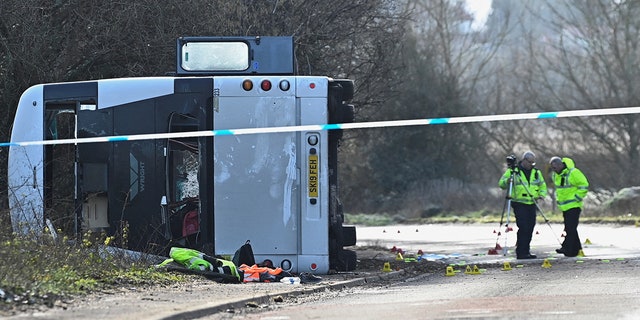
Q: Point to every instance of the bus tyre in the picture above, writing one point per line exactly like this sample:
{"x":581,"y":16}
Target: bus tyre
{"x":347,"y":260}
{"x":347,"y":88}
{"x":348,"y":236}
{"x":348,"y":113}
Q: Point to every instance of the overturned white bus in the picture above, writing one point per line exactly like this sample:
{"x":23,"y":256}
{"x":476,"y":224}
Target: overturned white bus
{"x":208,"y":192}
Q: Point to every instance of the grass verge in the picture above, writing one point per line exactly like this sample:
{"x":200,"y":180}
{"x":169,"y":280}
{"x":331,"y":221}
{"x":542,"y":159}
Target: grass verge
{"x":42,"y":271}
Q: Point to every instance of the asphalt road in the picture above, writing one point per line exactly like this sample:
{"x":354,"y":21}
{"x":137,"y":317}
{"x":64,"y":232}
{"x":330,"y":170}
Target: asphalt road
{"x":601,"y":285}
{"x":566,"y":290}
{"x":462,"y":240}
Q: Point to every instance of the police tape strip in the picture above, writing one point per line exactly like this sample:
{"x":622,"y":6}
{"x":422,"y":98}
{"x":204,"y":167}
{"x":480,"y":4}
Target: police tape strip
{"x":338,"y":126}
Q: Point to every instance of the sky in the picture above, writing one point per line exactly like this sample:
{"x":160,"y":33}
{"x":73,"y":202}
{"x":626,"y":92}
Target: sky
{"x":480,"y":10}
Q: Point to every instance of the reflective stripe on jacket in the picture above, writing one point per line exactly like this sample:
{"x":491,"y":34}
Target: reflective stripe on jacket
{"x":525,"y":191}
{"x":571,"y":186}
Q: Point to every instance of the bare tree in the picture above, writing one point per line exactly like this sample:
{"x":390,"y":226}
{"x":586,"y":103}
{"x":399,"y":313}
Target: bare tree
{"x":587,"y":58}
{"x":55,"y":41}
{"x":444,"y":73}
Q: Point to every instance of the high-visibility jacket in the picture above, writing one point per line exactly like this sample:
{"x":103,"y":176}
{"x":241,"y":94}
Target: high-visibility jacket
{"x":196,"y":260}
{"x":524,"y":191}
{"x":256,"y":273}
{"x":571,"y":186}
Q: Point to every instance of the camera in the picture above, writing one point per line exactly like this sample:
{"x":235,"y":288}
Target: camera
{"x":511,"y":161}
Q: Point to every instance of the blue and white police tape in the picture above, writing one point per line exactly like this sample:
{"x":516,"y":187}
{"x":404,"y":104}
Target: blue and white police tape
{"x":343,"y":126}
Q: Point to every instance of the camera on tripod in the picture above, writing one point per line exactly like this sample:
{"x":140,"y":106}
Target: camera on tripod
{"x":511,"y":161}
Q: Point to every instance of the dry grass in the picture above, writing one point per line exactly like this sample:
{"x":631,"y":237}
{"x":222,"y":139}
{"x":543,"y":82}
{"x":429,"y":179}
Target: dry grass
{"x":39,"y":270}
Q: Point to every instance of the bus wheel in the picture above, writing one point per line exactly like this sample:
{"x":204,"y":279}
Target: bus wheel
{"x":347,"y":260}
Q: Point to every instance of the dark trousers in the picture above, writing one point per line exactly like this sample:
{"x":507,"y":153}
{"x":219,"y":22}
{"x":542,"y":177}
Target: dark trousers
{"x":526,"y":221}
{"x":571,"y":244}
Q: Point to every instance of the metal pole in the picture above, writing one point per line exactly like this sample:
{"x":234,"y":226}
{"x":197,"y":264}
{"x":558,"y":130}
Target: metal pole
{"x":547,"y":222}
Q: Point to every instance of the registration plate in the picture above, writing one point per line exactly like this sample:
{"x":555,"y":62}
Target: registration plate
{"x":313,"y":175}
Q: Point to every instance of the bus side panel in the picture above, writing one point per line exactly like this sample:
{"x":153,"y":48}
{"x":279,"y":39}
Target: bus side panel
{"x":256,"y":184}
{"x":26,"y":166}
{"x":133,"y":182}
{"x":137,"y":177}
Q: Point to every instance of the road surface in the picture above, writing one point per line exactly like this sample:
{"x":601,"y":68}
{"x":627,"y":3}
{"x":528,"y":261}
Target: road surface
{"x":601,"y":285}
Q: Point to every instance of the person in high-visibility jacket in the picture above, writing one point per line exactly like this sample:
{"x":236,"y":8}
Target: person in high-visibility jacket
{"x":571,"y":186}
{"x":528,"y":186}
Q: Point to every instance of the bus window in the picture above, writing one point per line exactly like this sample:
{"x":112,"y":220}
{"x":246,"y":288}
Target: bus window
{"x":215,"y":56}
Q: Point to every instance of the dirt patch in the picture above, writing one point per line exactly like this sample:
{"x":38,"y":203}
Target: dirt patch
{"x":373,"y":260}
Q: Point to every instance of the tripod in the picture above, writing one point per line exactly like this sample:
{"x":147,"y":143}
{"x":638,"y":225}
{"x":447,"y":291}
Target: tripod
{"x":507,"y":207}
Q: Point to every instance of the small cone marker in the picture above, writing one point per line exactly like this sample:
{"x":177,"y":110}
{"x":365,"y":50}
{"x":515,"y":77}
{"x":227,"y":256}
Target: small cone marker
{"x":495,"y":250}
{"x":537,"y":232}
{"x":398,"y":231}
{"x":587,"y":241}
{"x":506,"y":266}
{"x":546,"y":263}
{"x":509,"y":229}
{"x":468,"y":270}
{"x":494,"y":231}
{"x":416,"y":230}
{"x":474,"y":271}
{"x":386,"y":267}
{"x":399,"y":257}
{"x":384,"y":231}
{"x":420,"y":252}
{"x":394,"y":249}
{"x":580,"y":253}
{"x":450,"y":272}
